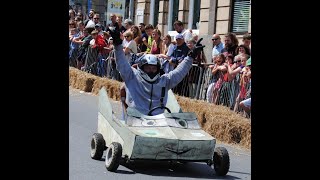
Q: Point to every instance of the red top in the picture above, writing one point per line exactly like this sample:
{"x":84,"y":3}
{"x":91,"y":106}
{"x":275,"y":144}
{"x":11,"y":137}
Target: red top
{"x":155,"y":50}
{"x":100,"y":43}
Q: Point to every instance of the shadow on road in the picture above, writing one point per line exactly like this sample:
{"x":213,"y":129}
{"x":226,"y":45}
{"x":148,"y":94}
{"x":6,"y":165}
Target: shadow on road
{"x":240,"y":172}
{"x":125,"y":172}
{"x":163,"y":168}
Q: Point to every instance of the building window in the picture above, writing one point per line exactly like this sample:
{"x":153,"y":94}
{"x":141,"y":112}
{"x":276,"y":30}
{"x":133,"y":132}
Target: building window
{"x":196,"y":14}
{"x":240,"y":16}
{"x":126,"y":12}
{"x":175,"y":11}
{"x":156,"y":13}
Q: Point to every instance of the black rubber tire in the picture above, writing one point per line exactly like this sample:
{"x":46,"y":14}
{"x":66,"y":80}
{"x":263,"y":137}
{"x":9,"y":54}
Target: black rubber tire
{"x":97,"y":146}
{"x":113,"y":156}
{"x":221,"y":161}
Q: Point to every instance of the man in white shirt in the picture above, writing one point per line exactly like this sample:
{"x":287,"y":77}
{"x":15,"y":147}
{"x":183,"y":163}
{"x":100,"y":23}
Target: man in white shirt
{"x":186,"y":33}
{"x":217,"y":45}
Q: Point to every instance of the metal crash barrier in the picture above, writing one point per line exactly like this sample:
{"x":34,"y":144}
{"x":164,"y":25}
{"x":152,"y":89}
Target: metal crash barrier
{"x":194,"y":85}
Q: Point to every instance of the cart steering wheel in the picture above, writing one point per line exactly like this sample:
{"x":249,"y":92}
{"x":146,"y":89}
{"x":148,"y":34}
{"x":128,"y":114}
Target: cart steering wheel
{"x":162,"y":107}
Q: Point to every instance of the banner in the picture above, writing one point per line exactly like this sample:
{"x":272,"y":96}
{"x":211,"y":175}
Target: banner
{"x":116,"y":7}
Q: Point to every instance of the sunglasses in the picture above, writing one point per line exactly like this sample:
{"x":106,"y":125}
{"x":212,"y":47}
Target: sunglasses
{"x":214,"y":39}
{"x":126,"y":36}
{"x":237,"y":61}
{"x":95,"y":18}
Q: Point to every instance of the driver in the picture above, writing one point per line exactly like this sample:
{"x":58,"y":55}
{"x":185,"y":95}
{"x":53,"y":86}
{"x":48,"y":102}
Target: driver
{"x":144,"y":85}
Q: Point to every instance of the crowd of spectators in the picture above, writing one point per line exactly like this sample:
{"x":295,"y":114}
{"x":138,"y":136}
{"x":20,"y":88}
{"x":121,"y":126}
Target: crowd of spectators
{"x":228,"y":72}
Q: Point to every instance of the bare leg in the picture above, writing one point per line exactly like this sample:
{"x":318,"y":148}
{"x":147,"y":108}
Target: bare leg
{"x":237,"y":103}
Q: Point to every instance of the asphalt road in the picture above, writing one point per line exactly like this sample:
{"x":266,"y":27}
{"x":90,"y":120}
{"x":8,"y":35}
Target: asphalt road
{"x":83,"y":123}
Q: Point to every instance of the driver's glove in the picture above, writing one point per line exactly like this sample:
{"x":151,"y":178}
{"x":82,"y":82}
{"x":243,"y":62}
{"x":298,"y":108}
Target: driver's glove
{"x":115,"y":34}
{"x":196,"y":49}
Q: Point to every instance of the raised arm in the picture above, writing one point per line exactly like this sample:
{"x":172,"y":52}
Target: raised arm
{"x":179,"y":72}
{"x":122,"y":63}
{"x":183,"y":68}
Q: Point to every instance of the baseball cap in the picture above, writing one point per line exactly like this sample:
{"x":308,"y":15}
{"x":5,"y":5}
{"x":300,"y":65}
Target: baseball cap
{"x":97,"y":25}
{"x":179,"y":36}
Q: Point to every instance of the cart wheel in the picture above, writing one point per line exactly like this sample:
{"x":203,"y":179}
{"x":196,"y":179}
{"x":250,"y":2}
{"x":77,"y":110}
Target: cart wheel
{"x":221,"y":161}
{"x":113,"y":156}
{"x":97,"y":146}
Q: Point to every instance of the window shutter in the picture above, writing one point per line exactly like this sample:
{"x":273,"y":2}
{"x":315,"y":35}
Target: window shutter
{"x":241,"y":17}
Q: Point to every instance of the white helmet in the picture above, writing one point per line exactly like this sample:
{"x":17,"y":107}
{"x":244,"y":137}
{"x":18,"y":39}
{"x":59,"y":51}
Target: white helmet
{"x":151,"y":60}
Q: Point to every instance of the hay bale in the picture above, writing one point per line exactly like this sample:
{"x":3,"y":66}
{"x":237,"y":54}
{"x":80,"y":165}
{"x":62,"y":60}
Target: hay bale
{"x":111,"y":86}
{"x":81,"y":80}
{"x":219,"y":121}
{"x":73,"y":73}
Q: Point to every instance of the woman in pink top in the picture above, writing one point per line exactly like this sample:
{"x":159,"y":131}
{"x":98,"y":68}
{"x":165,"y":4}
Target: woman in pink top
{"x":156,"y":47}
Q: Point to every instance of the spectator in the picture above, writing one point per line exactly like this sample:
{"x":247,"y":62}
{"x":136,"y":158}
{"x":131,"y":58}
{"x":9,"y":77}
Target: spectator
{"x":81,"y":49}
{"x":142,"y":46}
{"x":72,"y":25}
{"x":119,"y":21}
{"x":77,"y":19}
{"x":96,"y":20}
{"x":110,"y":42}
{"x":226,"y":92}
{"x":229,"y":60}
{"x":97,"y":41}
{"x":127,"y":24}
{"x":218,"y":71}
{"x":243,"y":81}
{"x":80,"y":29}
{"x":246,"y":40}
{"x":246,"y":104}
{"x":179,"y":53}
{"x":156,"y":47}
{"x":113,"y":19}
{"x":129,"y":46}
{"x":178,"y":26}
{"x":80,"y":15}
{"x":72,"y":14}
{"x":148,"y":41}
{"x":201,"y":57}
{"x":168,"y":46}
{"x":239,"y":64}
{"x":98,"y":27}
{"x":72,"y":33}
{"x":164,"y":57}
{"x":230,"y":44}
{"x":217,"y":45}
{"x":89,"y":22}
{"x":242,"y":50}
{"x":136,"y":35}
{"x":195,"y":37}
{"x":193,"y":76}
{"x":73,"y":48}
